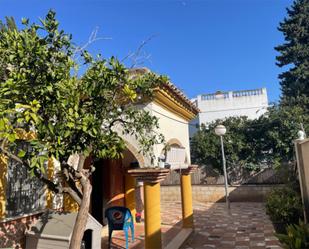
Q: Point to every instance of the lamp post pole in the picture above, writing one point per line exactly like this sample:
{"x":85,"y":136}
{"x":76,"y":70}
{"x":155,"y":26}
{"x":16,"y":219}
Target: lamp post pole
{"x":220,"y":130}
{"x":225,"y":174}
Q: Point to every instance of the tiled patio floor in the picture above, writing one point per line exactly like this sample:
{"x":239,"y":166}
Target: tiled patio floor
{"x":170,"y":227}
{"x":245,"y":227}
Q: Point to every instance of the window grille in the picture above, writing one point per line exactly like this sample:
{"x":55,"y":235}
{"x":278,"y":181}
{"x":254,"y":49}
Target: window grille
{"x":24,"y":194}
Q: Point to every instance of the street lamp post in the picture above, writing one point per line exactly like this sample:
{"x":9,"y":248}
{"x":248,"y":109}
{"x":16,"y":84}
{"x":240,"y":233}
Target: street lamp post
{"x":220,"y":130}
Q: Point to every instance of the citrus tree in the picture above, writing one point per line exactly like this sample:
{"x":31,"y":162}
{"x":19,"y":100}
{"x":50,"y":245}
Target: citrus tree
{"x":69,"y":111}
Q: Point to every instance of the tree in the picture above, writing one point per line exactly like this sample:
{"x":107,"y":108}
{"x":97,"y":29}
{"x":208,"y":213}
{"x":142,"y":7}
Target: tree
{"x":272,"y":135}
{"x":295,"y":51}
{"x":250,"y":144}
{"x":206,"y":150}
{"x":41,"y":92}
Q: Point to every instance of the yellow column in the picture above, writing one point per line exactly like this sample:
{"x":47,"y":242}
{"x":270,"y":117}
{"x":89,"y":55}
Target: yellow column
{"x":69,"y":205}
{"x":50,"y":175}
{"x":186,"y":196}
{"x":3,"y":182}
{"x":152,"y":215}
{"x":151,"y":178}
{"x":130,"y":194}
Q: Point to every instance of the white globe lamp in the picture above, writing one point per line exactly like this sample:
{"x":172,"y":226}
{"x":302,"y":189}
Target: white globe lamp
{"x":220,"y":130}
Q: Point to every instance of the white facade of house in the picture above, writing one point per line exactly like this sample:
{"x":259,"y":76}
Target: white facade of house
{"x":221,"y":105}
{"x":173,"y":127}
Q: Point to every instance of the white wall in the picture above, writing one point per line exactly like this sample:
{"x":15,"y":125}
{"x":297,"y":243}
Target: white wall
{"x":251,"y":103}
{"x":171,"y":126}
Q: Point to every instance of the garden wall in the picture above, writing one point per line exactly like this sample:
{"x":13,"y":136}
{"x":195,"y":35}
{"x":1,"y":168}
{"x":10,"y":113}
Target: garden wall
{"x":206,"y":175}
{"x":12,"y":231}
{"x":216,"y":193}
{"x":302,"y":153}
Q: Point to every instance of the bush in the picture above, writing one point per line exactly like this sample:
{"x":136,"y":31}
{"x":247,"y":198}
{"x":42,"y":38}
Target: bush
{"x":296,"y":237}
{"x":284,"y":205}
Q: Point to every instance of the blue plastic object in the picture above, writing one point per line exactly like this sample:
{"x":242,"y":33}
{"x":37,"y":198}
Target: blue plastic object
{"x":119,"y":218}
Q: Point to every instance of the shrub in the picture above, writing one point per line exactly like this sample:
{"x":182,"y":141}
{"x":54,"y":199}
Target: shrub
{"x":296,"y":237}
{"x":284,"y":205}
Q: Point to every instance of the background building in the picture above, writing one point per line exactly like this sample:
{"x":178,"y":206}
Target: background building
{"x":221,"y":105}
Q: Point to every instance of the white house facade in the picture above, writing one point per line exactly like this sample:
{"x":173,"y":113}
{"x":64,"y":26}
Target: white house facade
{"x":221,"y":105}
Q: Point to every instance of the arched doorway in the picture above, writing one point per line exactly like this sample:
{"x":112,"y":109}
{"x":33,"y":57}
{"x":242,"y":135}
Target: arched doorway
{"x":110,"y":183}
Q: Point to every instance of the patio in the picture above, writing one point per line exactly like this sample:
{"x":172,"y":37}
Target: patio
{"x":246,"y":227}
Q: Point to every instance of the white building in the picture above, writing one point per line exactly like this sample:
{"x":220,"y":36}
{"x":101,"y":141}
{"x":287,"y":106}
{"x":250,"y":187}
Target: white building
{"x":221,"y":105}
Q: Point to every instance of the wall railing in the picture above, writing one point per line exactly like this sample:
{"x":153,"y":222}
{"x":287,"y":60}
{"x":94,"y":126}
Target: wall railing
{"x":232,"y":94}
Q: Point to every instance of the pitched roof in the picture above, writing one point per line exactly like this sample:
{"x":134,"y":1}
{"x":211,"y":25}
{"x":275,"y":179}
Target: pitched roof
{"x":172,"y":90}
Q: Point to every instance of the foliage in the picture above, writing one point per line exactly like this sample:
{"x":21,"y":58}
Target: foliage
{"x":272,"y":135}
{"x":41,"y":91}
{"x":88,"y":113}
{"x":294,"y":53}
{"x":267,"y":140}
{"x":296,"y":237}
{"x":284,"y":205}
{"x":205,"y":144}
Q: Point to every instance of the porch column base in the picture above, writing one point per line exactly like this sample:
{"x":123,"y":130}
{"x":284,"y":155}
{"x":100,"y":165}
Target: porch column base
{"x":186,"y":196}
{"x":151,"y":179}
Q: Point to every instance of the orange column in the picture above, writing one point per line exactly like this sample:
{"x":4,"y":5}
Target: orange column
{"x":130,"y":194}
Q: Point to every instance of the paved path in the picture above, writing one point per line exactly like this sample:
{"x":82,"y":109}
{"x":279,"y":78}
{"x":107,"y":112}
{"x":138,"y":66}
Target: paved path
{"x":246,"y":226}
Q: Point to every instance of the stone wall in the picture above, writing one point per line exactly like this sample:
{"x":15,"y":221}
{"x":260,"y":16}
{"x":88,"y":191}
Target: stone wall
{"x":216,"y":193}
{"x":302,"y":154}
{"x":12,"y":232}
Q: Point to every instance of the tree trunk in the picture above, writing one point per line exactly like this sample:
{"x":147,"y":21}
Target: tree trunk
{"x":82,"y":216}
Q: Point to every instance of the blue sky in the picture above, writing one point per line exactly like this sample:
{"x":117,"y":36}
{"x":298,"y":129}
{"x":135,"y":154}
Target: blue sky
{"x":203,"y":46}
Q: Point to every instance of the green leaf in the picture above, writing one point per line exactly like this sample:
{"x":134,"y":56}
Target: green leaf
{"x":51,"y":127}
{"x":67,"y":133}
{"x":70,"y":124}
{"x":2,"y":124}
{"x":21,"y":153}
{"x":12,"y":138}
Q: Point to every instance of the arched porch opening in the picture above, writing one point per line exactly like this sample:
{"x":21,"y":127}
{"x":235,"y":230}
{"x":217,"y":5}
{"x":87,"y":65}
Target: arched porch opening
{"x":111,"y":185}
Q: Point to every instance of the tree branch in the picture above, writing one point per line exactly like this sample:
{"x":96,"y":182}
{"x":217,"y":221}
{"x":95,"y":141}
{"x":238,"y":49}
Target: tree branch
{"x":73,"y":194}
{"x":81,"y":161}
{"x":120,"y":120}
{"x":137,"y":57}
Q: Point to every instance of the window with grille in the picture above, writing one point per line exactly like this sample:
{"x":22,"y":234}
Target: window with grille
{"x":24,"y":194}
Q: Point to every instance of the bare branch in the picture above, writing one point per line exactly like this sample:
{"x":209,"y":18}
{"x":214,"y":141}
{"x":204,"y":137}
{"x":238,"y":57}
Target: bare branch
{"x":73,"y":194}
{"x":91,"y":39}
{"x":81,"y":161}
{"x":117,"y":120}
{"x":139,"y":56}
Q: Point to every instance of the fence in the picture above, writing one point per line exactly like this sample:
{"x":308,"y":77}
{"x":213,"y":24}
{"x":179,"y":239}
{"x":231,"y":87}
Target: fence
{"x":206,"y":175}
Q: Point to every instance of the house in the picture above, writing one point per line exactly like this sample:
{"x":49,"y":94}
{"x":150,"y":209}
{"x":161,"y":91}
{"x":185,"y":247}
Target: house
{"x":220,"y":105}
{"x":115,"y":182}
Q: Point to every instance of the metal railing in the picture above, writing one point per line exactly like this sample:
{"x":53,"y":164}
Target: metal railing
{"x":24,"y":194}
